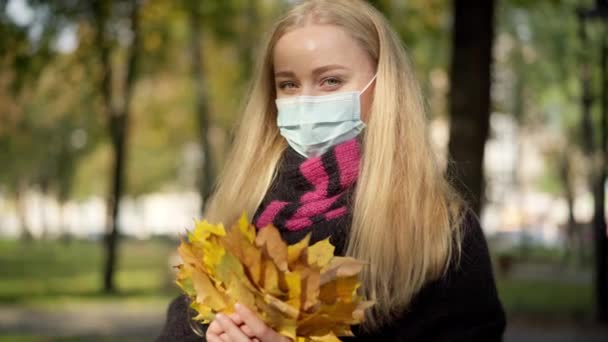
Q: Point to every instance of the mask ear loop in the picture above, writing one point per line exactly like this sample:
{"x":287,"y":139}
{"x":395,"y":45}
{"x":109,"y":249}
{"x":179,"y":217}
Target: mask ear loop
{"x":369,"y":83}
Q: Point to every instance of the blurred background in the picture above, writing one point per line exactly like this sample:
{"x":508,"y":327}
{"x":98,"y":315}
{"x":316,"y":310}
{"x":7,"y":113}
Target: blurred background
{"x":116,"y":116}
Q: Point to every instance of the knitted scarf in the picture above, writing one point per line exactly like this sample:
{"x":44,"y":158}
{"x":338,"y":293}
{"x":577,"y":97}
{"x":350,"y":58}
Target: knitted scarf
{"x":313,"y":195}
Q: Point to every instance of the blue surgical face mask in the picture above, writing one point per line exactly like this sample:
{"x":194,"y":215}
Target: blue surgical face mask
{"x":313,"y":124}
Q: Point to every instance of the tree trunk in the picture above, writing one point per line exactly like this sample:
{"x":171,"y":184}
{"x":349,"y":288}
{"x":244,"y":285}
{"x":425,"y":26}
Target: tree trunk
{"x":570,"y":233}
{"x":44,"y":222}
{"x":249,"y":37}
{"x":118,"y":126}
{"x":472,"y":39}
{"x":21,"y":208}
{"x":206,"y":177}
{"x":382,"y":6}
{"x":599,"y":219}
{"x":599,"y":158}
{"x":111,"y":239}
{"x":64,"y":232}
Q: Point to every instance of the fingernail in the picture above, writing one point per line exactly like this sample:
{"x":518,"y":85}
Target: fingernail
{"x":220,"y":316}
{"x":238,"y":306}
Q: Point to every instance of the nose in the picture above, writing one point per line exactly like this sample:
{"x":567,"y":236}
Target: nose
{"x":307,"y":89}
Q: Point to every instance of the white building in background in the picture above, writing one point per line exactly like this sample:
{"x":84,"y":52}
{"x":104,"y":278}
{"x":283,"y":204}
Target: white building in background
{"x":141,"y":217}
{"x":513,"y":164}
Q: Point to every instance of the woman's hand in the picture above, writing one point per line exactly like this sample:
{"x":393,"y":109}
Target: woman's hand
{"x":242,"y":326}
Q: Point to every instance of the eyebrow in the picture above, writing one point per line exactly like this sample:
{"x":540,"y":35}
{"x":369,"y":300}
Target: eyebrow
{"x":316,"y":71}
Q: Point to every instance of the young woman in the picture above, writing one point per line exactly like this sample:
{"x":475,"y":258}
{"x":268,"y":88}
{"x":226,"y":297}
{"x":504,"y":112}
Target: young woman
{"x":334,"y":141}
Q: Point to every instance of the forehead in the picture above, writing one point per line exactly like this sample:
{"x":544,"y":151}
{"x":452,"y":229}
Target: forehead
{"x":315,"y":45}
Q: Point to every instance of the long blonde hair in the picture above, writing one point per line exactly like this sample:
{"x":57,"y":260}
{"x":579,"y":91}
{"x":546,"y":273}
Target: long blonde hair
{"x":406,"y":216}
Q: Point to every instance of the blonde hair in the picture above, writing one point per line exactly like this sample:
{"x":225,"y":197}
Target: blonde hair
{"x":406,"y":216}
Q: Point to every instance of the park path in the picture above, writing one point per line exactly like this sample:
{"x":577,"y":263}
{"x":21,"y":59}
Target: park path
{"x":106,"y":320}
{"x":143,"y":322}
{"x":564,"y":333}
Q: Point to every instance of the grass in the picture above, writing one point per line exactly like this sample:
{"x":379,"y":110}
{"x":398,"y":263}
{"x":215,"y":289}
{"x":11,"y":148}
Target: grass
{"x":47,"y":272}
{"x":552,"y":296}
{"x":546,"y":299}
{"x":44,"y":272}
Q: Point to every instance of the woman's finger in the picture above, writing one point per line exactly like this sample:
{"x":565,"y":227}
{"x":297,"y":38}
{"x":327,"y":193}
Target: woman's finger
{"x":231,"y":329}
{"x":213,"y":338}
{"x":257,"y":326}
{"x":236,"y":318}
{"x":247,"y":330}
{"x":225,"y":338}
{"x":215,"y":328}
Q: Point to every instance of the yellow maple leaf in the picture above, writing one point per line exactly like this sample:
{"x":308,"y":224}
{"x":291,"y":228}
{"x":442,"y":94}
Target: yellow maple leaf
{"x":246,"y":229}
{"x":320,"y":253}
{"x":296,"y":251}
{"x":269,"y":240}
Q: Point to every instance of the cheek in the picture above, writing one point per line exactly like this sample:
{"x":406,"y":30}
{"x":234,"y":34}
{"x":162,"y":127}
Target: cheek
{"x":366,"y":103}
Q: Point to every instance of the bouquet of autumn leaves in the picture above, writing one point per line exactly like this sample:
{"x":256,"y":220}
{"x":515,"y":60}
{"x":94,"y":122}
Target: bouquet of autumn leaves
{"x":302,"y":291}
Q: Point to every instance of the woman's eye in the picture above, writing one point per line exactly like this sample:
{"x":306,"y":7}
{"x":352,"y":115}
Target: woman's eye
{"x":332,"y":82}
{"x":287,"y":85}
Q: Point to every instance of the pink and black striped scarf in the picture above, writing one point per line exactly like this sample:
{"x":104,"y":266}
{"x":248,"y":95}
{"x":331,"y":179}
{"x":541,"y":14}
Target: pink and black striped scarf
{"x":313,"y":194}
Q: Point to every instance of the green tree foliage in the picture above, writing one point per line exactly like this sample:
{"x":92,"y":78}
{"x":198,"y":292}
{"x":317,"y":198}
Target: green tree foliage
{"x":46,"y":96}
